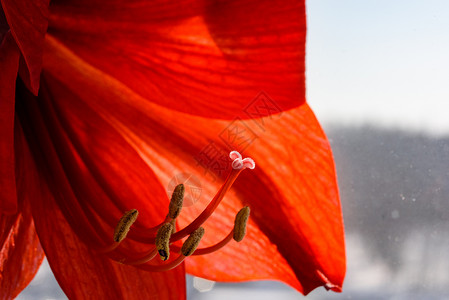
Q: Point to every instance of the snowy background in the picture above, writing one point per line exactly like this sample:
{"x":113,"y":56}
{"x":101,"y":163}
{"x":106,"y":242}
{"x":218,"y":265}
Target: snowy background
{"x":378,"y":80}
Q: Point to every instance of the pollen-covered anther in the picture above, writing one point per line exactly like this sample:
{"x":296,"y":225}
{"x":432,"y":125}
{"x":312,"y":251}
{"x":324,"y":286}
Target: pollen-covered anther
{"x":123,"y":226}
{"x":163,"y":240}
{"x":192,"y":242}
{"x":163,"y":235}
{"x":240,"y":224}
{"x":237,"y":233}
{"x":176,"y":201}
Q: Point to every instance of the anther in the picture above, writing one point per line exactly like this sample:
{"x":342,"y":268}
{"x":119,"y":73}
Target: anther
{"x":240,"y":165}
{"x":176,"y":201}
{"x":240,"y":224}
{"x":163,"y":235}
{"x":192,"y":242}
{"x":163,"y":240}
{"x":237,"y":233}
{"x":123,"y":226}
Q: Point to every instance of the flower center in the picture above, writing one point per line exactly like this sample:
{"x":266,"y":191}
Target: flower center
{"x":163,"y":236}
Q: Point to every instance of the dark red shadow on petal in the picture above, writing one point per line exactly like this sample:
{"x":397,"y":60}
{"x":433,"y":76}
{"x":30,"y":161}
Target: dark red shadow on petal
{"x":4,"y":26}
{"x":28,"y":23}
{"x":20,"y":251}
{"x":81,"y":273}
{"x":108,"y":170}
{"x":9,"y":62}
{"x":91,"y":199}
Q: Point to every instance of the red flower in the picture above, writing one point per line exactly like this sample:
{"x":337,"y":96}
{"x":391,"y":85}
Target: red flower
{"x":128,"y":94}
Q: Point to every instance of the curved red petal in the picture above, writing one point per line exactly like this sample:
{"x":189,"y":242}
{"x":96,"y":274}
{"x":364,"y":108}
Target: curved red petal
{"x":80,"y":271}
{"x":96,"y":173}
{"x":9,"y":63}
{"x":191,"y":55}
{"x":294,"y":162}
{"x":28,"y":23}
{"x":4,"y":27}
{"x":20,"y":251}
{"x":294,"y":201}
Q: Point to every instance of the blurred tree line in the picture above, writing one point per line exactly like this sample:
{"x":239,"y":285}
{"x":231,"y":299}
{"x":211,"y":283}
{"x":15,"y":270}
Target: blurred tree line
{"x":394,"y":186}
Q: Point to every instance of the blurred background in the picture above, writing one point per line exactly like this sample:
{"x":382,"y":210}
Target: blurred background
{"x":378,"y":80}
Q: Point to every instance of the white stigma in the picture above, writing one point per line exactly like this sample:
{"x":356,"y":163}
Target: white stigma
{"x":239,"y":163}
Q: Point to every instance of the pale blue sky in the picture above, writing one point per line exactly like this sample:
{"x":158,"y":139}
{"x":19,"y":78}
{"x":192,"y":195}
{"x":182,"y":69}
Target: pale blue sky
{"x":380,"y":61}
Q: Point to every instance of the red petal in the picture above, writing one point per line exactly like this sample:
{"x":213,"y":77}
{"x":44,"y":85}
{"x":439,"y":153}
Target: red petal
{"x":91,"y":164}
{"x":28,"y":23}
{"x":191,"y":55}
{"x":80,"y":272}
{"x":20,"y":254}
{"x":294,"y":201}
{"x":4,"y":27}
{"x":20,"y":251}
{"x":294,"y":185}
{"x":9,"y":63}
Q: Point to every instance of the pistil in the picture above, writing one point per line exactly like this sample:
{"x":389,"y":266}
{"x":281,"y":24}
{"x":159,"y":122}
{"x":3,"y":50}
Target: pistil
{"x":162,"y":241}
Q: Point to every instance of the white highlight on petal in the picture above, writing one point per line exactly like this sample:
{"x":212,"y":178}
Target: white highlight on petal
{"x":239,"y":163}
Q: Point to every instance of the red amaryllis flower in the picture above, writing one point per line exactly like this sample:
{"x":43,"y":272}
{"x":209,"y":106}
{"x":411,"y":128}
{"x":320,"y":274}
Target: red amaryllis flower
{"x":103,"y":104}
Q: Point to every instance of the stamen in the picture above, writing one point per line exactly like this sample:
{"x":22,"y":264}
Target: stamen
{"x":240,"y":224}
{"x":176,"y":201}
{"x":187,"y":249}
{"x":237,"y":169}
{"x":192,"y":242}
{"x":163,"y":240}
{"x":166,"y":267}
{"x":217,"y":246}
{"x":145,"y":258}
{"x":106,"y":249}
{"x":207,"y":212}
{"x":209,"y":249}
{"x":124,"y":225}
{"x":237,"y":233}
{"x":142,"y":236}
{"x":166,"y":235}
